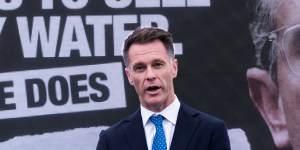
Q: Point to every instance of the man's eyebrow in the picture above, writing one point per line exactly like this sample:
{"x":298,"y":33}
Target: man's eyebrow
{"x":137,"y":64}
{"x":158,"y":60}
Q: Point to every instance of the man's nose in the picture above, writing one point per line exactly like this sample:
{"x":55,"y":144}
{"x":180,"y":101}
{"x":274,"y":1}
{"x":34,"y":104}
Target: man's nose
{"x":150,"y":75}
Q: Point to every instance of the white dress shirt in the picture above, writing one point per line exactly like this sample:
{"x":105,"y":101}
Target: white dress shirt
{"x":170,"y":114}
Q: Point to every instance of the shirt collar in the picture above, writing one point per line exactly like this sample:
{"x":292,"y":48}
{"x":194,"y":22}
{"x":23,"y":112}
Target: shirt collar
{"x":170,"y":113}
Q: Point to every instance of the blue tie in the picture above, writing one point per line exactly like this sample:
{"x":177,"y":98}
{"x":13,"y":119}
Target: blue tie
{"x":159,"y":141}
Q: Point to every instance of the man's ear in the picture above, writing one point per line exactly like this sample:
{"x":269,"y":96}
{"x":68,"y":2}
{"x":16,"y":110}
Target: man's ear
{"x":175,"y":67}
{"x":265,"y":96}
{"x":129,"y":77}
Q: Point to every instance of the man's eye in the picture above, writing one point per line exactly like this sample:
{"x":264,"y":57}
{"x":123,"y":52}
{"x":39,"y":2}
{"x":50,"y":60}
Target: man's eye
{"x":157,"y":65}
{"x":139,"y":68}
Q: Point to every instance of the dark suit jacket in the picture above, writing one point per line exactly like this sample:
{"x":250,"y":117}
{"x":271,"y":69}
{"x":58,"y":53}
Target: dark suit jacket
{"x":194,"y":130}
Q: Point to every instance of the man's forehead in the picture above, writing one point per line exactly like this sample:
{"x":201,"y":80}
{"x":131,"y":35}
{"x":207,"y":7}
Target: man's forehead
{"x":288,"y":13}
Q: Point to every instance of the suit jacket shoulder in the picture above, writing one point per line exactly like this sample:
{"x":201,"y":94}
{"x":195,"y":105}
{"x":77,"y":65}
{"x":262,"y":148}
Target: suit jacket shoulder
{"x":202,"y":116}
{"x":127,"y":134}
{"x":118,"y":127}
{"x":198,"y":130}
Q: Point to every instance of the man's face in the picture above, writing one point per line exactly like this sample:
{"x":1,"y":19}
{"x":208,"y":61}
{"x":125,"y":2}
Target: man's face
{"x":279,"y":101}
{"x":288,"y":81}
{"x":151,"y":71}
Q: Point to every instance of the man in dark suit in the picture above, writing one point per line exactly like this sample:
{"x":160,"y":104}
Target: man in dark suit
{"x":162,"y":122}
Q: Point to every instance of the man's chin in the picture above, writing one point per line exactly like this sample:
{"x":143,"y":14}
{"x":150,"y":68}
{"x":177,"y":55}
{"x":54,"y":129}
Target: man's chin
{"x":154,"y":101}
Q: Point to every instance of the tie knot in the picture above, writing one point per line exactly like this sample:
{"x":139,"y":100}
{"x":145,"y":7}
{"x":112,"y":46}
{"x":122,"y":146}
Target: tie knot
{"x":157,"y":120}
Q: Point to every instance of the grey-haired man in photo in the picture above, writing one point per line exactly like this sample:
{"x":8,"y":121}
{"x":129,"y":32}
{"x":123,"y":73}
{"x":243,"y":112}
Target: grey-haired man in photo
{"x":274,"y":84}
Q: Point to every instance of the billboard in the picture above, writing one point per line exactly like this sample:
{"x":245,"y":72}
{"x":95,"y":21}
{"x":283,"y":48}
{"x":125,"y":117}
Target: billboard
{"x":62,"y":77}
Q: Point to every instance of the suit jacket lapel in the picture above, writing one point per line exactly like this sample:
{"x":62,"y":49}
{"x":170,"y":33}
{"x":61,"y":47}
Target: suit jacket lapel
{"x":135,"y":133}
{"x":184,"y":129}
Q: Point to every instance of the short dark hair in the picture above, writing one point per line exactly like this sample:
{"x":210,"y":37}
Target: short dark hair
{"x":146,"y":35}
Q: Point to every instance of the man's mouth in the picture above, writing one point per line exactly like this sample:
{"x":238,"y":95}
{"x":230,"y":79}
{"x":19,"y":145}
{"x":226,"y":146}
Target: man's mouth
{"x":152,"y":89}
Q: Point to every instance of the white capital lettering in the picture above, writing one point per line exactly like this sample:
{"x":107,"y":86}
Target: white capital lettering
{"x":47,"y":4}
{"x":155,"y":20}
{"x":74,"y":26}
{"x":147,"y":3}
{"x":118,"y":3}
{"x":48,"y":40}
{"x":10,"y":5}
{"x":2,"y":21}
{"x":78,"y":4}
{"x":198,"y":3}
{"x":98,"y":23}
{"x":174,"y":3}
{"x":120,"y":33}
